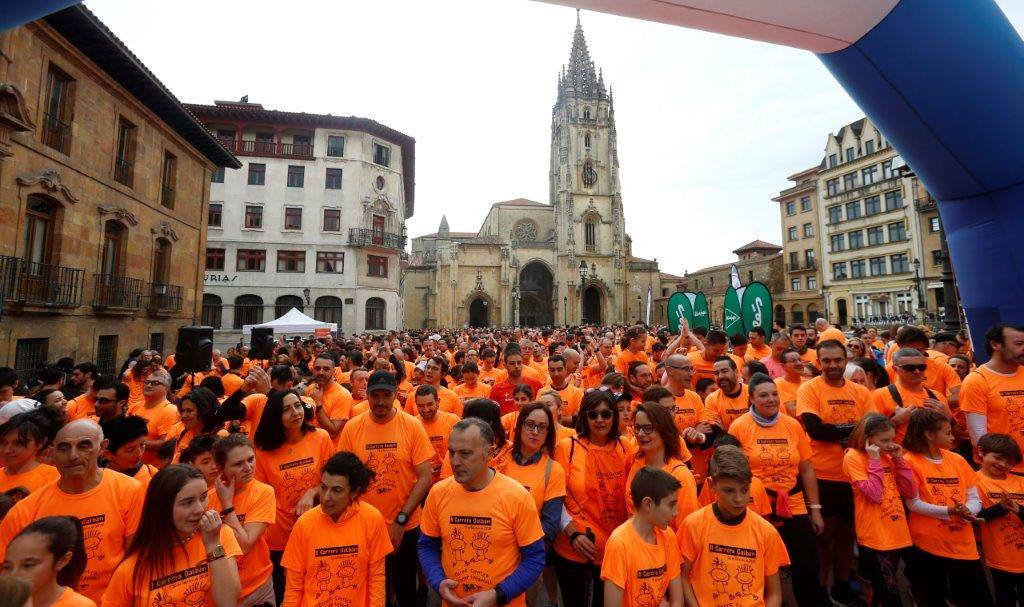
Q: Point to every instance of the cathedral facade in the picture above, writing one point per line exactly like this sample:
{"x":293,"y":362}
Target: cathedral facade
{"x":566,"y":261}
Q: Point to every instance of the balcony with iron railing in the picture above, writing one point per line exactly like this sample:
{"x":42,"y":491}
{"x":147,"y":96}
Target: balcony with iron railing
{"x":114,"y":292}
{"x":361,"y":237}
{"x":877,"y":187}
{"x":810,"y":264}
{"x":57,"y":134}
{"x":270,"y":149}
{"x":39,"y":284}
{"x":124,"y":171}
{"x":164,"y":298}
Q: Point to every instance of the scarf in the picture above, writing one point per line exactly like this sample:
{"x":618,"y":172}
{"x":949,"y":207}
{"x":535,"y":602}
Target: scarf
{"x":764,"y":422}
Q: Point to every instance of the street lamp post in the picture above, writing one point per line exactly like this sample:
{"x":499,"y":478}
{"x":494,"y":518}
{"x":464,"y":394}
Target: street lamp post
{"x":583,"y":291}
{"x":920,"y":292}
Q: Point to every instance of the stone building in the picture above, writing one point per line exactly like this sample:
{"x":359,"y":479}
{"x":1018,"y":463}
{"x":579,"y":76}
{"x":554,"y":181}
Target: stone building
{"x":533,"y":263}
{"x":800,"y":300}
{"x":103,"y":193}
{"x":316,"y":221}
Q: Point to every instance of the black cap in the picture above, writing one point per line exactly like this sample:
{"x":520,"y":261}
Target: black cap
{"x":382,"y":380}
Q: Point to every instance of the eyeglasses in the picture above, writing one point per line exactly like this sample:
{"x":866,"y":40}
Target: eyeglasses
{"x":913,"y":368}
{"x":538,"y":428}
{"x":604,"y":414}
{"x":643,"y":428}
{"x":103,"y":400}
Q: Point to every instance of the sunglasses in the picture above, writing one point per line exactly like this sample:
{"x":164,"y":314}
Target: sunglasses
{"x":103,"y":400}
{"x":604,"y":414}
{"x":912,"y":368}
{"x":646,"y":429}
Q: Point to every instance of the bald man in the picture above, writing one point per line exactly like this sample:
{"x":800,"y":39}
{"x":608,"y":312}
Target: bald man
{"x":108,"y":503}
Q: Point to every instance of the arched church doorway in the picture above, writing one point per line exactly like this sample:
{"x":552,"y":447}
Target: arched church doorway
{"x":592,"y":306}
{"x":478,"y":313}
{"x":536,"y":285}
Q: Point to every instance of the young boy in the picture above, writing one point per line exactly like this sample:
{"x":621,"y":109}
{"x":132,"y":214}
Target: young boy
{"x":730,"y":555}
{"x":125,"y":437}
{"x":759,"y":500}
{"x":1002,"y":533}
{"x":641,"y":558}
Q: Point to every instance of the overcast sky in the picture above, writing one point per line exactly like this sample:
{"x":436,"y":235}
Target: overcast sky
{"x":709,"y":126}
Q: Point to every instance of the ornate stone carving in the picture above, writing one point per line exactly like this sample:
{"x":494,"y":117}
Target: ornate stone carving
{"x":50,"y":180}
{"x":15,"y":116}
{"x":525,"y":230}
{"x":119,"y":213}
{"x":162,"y":228}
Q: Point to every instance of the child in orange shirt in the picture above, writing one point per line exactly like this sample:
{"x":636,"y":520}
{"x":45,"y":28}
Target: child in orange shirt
{"x":880,"y":478}
{"x":944,"y":559}
{"x":641,"y":558}
{"x":1001,"y":497}
{"x":730,"y":556}
{"x":50,"y":555}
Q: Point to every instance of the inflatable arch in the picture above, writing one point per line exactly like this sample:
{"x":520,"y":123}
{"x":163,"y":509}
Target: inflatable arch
{"x":943,"y":80}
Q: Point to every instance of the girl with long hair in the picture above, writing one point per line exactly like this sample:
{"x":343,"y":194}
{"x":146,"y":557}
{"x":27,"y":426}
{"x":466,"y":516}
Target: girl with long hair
{"x":595,"y":462}
{"x":290,"y":453}
{"x":50,"y":555}
{"x":659,"y":445}
{"x":197,"y":415}
{"x":23,"y":440}
{"x":182,"y":552}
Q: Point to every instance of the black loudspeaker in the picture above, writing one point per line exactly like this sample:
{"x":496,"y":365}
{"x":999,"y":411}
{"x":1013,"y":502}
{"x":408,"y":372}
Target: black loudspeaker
{"x":195,"y":349}
{"x":261,"y":343}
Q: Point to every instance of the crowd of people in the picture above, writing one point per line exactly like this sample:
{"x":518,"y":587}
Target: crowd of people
{"x":581,"y":466}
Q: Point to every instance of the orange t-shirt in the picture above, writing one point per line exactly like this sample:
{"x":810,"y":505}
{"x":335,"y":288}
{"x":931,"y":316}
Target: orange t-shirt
{"x":480,"y":390}
{"x":939,"y":376}
{"x":572,"y":398}
{"x":447,"y":401}
{"x":438,"y":431}
{"x":135,"y":384}
{"x":192,"y":380}
{"x":144,"y":474}
{"x":940,"y":483}
{"x":254,"y":503}
{"x":1003,"y":537}
{"x":753,"y":353}
{"x":1000,"y":398}
{"x":392,"y":450}
{"x":232,"y":382}
{"x":721,"y":409}
{"x":81,"y":407}
{"x":879,"y":526}
{"x":832,"y":333}
{"x":642,"y":570}
{"x":775,"y":454}
{"x":541,"y":367}
{"x":787,"y":393}
{"x":159,"y":420}
{"x":337,"y":562}
{"x":31,"y":480}
{"x":843,"y":405}
{"x":292,"y":469}
{"x":337,"y":402}
{"x":810,"y":356}
{"x":532,"y":477}
{"x":687,"y":493}
{"x":730,"y":562}
{"x":592,"y":377}
{"x":759,"y":501}
{"x":493,"y":376}
{"x":481,"y":531}
{"x":622,"y":361}
{"x":689,"y":409}
{"x":187,"y":583}
{"x":109,"y":513}
{"x":703,"y":368}
{"x":70,"y":598}
{"x":595,"y":490}
{"x":882,"y":401}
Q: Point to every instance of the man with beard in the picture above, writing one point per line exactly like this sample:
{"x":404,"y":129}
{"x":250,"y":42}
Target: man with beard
{"x":988,"y":396}
{"x":731,"y":400}
{"x":501,"y":393}
{"x":801,"y":342}
{"x":447,"y":399}
{"x":333,"y":403}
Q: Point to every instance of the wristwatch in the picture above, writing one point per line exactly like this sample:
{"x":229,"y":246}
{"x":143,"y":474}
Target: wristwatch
{"x":402,"y":518}
{"x":217,"y":553}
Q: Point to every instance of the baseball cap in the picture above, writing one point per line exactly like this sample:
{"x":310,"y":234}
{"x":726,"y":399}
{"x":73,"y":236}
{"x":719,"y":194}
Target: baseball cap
{"x":382,"y":380}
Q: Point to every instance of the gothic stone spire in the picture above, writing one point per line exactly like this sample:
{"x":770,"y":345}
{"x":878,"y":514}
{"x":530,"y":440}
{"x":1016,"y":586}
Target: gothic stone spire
{"x":581,"y":78}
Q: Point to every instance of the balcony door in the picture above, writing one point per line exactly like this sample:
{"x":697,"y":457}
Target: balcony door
{"x":39,"y":230}
{"x":113,"y":248}
{"x":161,"y":261}
{"x":378,"y":229}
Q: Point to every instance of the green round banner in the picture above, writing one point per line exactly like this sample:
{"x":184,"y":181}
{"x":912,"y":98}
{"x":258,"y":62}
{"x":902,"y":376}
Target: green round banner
{"x":701,"y":315}
{"x":732,"y":319}
{"x":757,"y":307}
{"x":679,"y":306}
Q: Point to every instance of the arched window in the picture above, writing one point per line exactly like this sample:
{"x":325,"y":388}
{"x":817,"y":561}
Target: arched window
{"x":114,"y":237}
{"x":285,"y":303}
{"x":590,"y":233}
{"x":161,"y":261}
{"x":40,"y":220}
{"x":327,"y":309}
{"x":797,"y":313}
{"x":248,"y":310}
{"x":213,"y":308}
{"x":375,"y":317}
{"x":586,"y":113}
{"x":586,"y":140}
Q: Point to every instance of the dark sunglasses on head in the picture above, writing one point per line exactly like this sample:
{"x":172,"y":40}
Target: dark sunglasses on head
{"x":603,"y":414}
{"x":912,"y":368}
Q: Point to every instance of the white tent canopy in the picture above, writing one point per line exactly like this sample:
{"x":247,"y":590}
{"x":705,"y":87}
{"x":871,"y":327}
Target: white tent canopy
{"x":292,"y":322}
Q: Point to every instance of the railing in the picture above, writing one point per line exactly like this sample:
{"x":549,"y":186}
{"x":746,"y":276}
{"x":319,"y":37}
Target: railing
{"x":113,"y":291}
{"x":248,"y":147}
{"x":164,"y":297}
{"x":361,"y":237}
{"x":846,"y":195}
{"x":57,"y":134}
{"x":28,"y":282}
{"x":167,"y":196}
{"x":124,"y":172}
{"x":806,"y":265}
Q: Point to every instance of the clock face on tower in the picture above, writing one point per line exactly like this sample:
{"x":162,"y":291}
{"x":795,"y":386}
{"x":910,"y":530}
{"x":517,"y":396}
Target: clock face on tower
{"x":589,"y":175}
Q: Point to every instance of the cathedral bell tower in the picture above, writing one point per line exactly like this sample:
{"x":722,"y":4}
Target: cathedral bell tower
{"x":584,"y":172}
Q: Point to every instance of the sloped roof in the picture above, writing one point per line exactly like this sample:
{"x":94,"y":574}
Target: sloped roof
{"x":758,"y":245}
{"x":519,"y":202}
{"x":667,"y":276}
